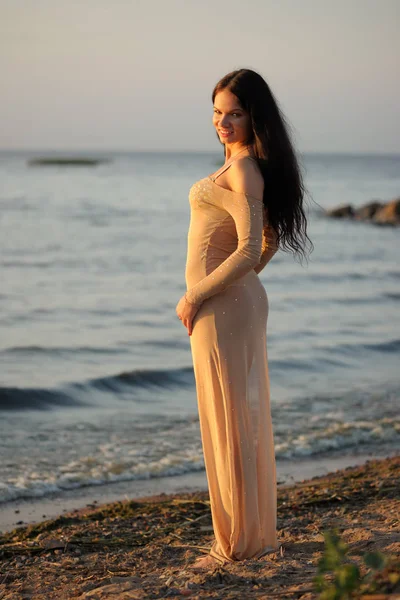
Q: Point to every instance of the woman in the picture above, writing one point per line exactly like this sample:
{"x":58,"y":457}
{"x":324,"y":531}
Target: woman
{"x":240,"y":216}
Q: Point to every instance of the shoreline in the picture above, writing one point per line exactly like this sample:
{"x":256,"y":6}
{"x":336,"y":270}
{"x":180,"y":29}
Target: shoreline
{"x":22,"y":512}
{"x":144,"y":549}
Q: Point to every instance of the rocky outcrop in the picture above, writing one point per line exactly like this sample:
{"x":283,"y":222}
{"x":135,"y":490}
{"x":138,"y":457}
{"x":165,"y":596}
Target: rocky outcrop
{"x":66,"y":162}
{"x":344,"y":210}
{"x":389,"y":214}
{"x":367,"y":211}
{"x":376,"y":212}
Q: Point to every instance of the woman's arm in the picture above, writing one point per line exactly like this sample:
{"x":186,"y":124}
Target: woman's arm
{"x":269,"y":248}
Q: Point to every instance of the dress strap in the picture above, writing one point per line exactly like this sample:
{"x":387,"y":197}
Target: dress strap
{"x":226,"y":167}
{"x":222,"y":170}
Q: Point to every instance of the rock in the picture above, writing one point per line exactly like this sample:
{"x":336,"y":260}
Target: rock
{"x":375,"y":212}
{"x":367,"y":211}
{"x":54,"y":544}
{"x":389,"y":214}
{"x":74,"y":161}
{"x":345,"y":210}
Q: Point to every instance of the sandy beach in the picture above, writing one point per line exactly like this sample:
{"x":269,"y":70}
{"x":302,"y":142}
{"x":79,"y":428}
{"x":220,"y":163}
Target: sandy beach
{"x":143,"y":548}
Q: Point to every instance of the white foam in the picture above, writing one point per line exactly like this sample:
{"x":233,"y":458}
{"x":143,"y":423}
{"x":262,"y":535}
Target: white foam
{"x":176,"y":450}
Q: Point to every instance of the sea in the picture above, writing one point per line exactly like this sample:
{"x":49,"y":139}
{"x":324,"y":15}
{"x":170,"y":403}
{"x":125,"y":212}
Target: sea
{"x":96,"y":378}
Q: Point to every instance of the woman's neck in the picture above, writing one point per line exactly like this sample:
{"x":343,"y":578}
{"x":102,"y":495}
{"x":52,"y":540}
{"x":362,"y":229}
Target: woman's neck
{"x":233,"y":150}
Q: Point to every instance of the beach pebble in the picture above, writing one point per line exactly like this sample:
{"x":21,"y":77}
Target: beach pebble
{"x":53,"y":543}
{"x":122,"y":591}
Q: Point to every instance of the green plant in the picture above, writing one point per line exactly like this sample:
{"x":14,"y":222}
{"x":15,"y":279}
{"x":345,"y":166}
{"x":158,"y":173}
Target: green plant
{"x":337,"y":578}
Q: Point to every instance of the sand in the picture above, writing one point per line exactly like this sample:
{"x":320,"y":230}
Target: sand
{"x":144,"y":548}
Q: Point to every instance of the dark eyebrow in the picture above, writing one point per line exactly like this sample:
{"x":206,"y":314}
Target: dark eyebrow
{"x":233,"y":109}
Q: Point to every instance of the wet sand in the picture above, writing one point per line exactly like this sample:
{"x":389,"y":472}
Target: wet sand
{"x":33,"y":510}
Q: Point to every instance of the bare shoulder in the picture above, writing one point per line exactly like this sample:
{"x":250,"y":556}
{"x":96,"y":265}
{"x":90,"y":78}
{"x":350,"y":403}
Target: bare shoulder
{"x":245,"y":176}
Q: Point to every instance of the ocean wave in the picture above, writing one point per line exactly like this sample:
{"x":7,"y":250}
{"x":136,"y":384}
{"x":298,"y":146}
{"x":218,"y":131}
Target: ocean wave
{"x":341,"y":353}
{"x":387,"y":347}
{"x":60,"y":350}
{"x":390,"y":346}
{"x":178,"y":451}
{"x":391,"y":295}
{"x":88,"y":471}
{"x":13,"y":398}
{"x":80,"y":393}
{"x":145,"y":379}
{"x":340,"y":436}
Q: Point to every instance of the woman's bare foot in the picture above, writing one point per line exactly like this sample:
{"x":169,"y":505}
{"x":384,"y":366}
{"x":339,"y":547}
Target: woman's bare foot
{"x":204,"y":563}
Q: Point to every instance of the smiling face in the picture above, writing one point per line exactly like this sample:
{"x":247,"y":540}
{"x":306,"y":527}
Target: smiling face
{"x":231,"y":121}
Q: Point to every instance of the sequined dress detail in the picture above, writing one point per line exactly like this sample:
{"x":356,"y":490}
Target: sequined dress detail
{"x":229,"y":243}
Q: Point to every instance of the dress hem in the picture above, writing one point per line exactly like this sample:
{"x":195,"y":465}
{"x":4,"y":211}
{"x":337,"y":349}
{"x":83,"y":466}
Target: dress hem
{"x":261,"y":553}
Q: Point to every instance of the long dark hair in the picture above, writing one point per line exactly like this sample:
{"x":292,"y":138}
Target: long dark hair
{"x":272,"y":147}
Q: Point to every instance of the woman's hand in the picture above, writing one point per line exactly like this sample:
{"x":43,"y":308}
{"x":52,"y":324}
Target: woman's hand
{"x":186,"y":313}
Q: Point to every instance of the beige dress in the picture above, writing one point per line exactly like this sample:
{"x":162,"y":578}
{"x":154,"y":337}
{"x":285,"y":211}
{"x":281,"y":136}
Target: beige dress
{"x":229,"y":242}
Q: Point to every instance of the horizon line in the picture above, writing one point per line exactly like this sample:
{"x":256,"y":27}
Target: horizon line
{"x":186,"y":150}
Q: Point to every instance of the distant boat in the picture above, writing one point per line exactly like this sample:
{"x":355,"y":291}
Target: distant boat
{"x":67,"y":162}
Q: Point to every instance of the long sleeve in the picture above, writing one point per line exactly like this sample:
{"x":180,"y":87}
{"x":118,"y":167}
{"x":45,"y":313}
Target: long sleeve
{"x":269,"y":248}
{"x":247,"y":213}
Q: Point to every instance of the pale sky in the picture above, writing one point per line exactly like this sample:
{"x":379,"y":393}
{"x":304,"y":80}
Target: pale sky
{"x":138,"y":74}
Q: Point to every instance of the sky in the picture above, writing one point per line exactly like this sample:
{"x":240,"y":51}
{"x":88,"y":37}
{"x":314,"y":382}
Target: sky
{"x":138,"y":74}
